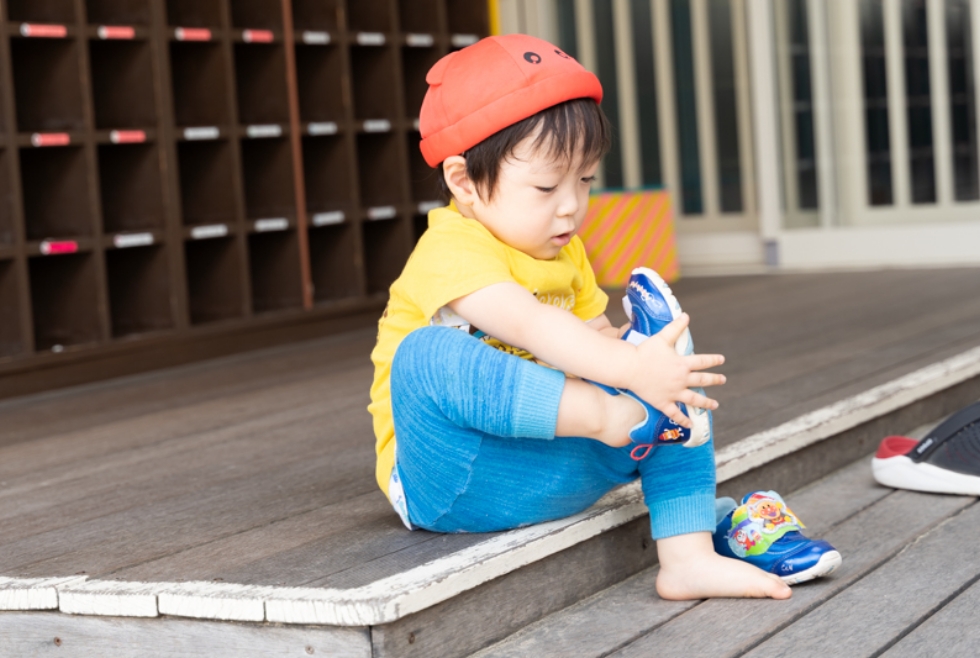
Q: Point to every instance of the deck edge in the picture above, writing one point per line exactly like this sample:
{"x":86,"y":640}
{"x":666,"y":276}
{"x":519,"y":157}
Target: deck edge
{"x":394,"y":597}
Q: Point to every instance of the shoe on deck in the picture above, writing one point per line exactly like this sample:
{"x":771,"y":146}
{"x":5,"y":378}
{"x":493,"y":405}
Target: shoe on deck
{"x":650,"y":305}
{"x":947,"y":460}
{"x":764,"y":532}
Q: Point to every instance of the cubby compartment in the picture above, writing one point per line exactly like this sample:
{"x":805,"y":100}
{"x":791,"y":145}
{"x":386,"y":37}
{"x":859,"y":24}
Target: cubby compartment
{"x":139,"y":290}
{"x":260,"y":74}
{"x":256,"y":14}
{"x":419,"y":224}
{"x":47,"y":84}
{"x":386,"y":248}
{"x":424,"y":180}
{"x":56,"y":193}
{"x":122,"y":84}
{"x":320,"y":77}
{"x":468,"y":17}
{"x":207,"y":189}
{"x":267,"y":168}
{"x":416,"y":63}
{"x":420,"y":16}
{"x":199,"y":72}
{"x":7,"y":234}
{"x":380,"y":170}
{"x":273,"y":260}
{"x":369,"y":16}
{"x":194,"y":13}
{"x":332,"y":266}
{"x":317,"y":15}
{"x":65,"y":300}
{"x":214,"y":276}
{"x":374,"y":80}
{"x":11,"y":340}
{"x":43,"y":11}
{"x":327,"y":171}
{"x":132,"y":192}
{"x":118,"y":12}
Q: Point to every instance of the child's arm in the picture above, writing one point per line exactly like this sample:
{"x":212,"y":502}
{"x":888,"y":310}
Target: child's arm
{"x":652,"y":370}
{"x":606,"y":328}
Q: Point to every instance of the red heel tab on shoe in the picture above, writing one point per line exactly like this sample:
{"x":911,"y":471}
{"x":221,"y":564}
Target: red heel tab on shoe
{"x":894,"y":446}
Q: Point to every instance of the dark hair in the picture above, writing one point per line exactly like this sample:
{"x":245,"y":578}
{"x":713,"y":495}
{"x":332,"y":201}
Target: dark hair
{"x":574,"y":127}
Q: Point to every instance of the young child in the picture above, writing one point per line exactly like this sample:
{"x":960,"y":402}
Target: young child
{"x":503,"y":396}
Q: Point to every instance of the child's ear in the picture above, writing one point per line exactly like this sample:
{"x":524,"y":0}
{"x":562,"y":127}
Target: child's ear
{"x":458,"y":181}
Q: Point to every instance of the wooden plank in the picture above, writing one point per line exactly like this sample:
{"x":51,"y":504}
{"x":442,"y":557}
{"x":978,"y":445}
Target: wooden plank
{"x":615,"y":617}
{"x":952,"y":632}
{"x":71,"y":493}
{"x":866,"y":540}
{"x":69,"y":410}
{"x":53,"y":634}
{"x":904,"y":592}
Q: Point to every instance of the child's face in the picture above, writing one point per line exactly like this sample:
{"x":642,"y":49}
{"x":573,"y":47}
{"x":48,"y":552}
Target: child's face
{"x":538,"y":203}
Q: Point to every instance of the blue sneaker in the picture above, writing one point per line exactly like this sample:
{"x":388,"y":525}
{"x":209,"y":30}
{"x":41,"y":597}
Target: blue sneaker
{"x":656,"y":428}
{"x":764,"y":532}
{"x":651,"y":306}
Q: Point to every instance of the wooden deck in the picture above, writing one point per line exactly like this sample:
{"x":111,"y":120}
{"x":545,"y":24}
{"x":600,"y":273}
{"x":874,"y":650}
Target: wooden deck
{"x":256,"y":471}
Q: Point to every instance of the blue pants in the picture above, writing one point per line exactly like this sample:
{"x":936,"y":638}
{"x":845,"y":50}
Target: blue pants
{"x":476,"y":449}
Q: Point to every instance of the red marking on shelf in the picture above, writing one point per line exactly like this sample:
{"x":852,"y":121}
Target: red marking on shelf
{"x":126,"y":240}
{"x":127,"y":136}
{"x":117,"y":32}
{"x":192,"y":34}
{"x":48,"y":31}
{"x":258,"y":36}
{"x":53,"y":247}
{"x":50,"y":139}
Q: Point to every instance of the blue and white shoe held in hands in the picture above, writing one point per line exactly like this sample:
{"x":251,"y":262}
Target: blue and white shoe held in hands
{"x":650,"y":305}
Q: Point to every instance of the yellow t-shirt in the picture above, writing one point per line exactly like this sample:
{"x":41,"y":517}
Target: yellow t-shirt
{"x":457,"y":256}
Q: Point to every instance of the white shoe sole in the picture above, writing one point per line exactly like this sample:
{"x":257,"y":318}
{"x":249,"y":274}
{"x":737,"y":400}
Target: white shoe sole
{"x":701,"y":429}
{"x":827,"y":564}
{"x":902,"y":473}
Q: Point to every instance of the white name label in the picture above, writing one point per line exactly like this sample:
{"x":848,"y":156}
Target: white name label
{"x":267,"y":130}
{"x":426,"y":206}
{"x":370,"y":39}
{"x":203,"y":132}
{"x":420,"y":40}
{"x":209,"y":231}
{"x":322,"y":128}
{"x":272,"y":224}
{"x":327,"y":218}
{"x":377,"y":125}
{"x":463,"y":40}
{"x":125,"y":240}
{"x":316,"y":38}
{"x":381,"y":212}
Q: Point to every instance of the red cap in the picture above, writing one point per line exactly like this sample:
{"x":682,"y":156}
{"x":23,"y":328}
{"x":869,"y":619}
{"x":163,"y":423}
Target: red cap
{"x":498,"y":81}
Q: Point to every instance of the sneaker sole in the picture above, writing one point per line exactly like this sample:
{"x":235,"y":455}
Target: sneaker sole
{"x":827,"y":564}
{"x":701,"y":430}
{"x":901,"y":472}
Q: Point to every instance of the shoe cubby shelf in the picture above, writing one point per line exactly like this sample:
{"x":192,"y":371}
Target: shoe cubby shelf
{"x":174,"y":166}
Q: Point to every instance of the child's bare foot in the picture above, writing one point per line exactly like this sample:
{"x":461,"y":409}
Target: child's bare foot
{"x":690,"y":569}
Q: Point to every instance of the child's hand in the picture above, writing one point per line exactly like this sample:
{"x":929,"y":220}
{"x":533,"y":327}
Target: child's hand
{"x":663,"y":378}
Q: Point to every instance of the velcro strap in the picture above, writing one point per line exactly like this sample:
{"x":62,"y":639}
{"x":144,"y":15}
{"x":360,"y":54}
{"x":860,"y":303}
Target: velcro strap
{"x":762,"y":519}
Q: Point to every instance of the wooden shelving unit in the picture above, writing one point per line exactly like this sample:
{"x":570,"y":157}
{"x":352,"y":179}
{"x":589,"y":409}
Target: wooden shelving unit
{"x":179,"y":171}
